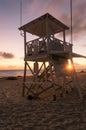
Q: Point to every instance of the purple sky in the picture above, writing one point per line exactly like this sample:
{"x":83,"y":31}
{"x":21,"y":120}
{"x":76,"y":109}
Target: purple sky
{"x":11,"y":43}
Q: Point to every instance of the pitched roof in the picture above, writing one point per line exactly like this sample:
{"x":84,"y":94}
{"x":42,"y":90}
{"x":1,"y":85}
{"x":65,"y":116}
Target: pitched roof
{"x":44,"y":25}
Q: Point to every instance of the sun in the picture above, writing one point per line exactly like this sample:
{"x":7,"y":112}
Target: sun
{"x":69,"y":66}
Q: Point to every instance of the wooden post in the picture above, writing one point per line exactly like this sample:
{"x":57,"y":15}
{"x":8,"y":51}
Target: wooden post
{"x":51,"y":73}
{"x":24,"y":44}
{"x":45,"y":71}
{"x":24,"y":80}
{"x":64,"y":40}
{"x":36,"y":69}
{"x":25,"y":64}
{"x":76,"y":81}
{"x":47,"y":34}
{"x":64,"y":36}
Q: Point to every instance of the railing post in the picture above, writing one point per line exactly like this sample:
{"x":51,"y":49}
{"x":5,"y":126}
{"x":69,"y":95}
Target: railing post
{"x":24,"y":43}
{"x":64,"y":44}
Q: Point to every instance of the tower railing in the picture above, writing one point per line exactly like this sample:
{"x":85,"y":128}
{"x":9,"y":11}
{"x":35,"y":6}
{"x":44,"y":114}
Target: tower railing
{"x":59,"y":45}
{"x":40,"y":46}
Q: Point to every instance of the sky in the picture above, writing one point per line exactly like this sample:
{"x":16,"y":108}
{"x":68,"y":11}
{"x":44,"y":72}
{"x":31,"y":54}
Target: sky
{"x":11,"y":42}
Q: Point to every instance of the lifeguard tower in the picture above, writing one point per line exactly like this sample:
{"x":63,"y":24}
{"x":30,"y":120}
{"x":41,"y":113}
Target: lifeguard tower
{"x":53,"y":53}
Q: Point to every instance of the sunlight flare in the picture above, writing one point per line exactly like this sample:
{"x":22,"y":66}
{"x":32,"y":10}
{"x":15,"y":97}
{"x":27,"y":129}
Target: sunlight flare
{"x":69,"y":66}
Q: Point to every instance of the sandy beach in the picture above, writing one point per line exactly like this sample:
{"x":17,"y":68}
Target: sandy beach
{"x":19,"y":113}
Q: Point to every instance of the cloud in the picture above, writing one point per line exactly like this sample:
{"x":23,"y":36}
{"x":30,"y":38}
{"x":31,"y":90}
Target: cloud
{"x":31,"y":8}
{"x":84,"y":45}
{"x":79,"y":18}
{"x":52,"y":6}
{"x":61,"y":10}
{"x":6,"y":55}
{"x":41,"y":7}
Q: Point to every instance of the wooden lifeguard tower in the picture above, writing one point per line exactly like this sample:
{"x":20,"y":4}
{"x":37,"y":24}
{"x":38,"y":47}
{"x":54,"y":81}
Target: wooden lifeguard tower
{"x":54,"y":55}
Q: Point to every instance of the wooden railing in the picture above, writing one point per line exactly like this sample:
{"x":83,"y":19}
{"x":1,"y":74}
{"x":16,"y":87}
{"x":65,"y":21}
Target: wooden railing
{"x":40,"y":46}
{"x":59,"y":45}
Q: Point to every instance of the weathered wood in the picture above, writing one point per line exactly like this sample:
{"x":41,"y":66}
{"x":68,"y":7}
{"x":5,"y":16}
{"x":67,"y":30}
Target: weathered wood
{"x":30,"y":68}
{"x":47,"y":48}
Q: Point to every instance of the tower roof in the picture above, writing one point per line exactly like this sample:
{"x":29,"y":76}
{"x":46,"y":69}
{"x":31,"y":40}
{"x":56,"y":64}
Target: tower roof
{"x":44,"y":25}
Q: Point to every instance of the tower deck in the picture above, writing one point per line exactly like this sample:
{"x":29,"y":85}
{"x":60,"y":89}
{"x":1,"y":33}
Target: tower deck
{"x":38,"y":50}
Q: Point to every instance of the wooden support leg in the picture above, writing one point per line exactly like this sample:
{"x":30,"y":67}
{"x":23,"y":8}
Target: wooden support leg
{"x":76,"y":81}
{"x":36,"y":68}
{"x":53,"y":86}
{"x":63,"y":85}
{"x":23,"y":91}
{"x":45,"y":71}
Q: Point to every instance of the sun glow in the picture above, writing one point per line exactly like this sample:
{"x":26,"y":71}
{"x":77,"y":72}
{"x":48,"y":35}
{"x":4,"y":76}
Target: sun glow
{"x":11,"y":64}
{"x":69,"y":66}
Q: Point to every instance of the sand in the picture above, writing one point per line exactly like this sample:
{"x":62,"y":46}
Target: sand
{"x":18,"y":113}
